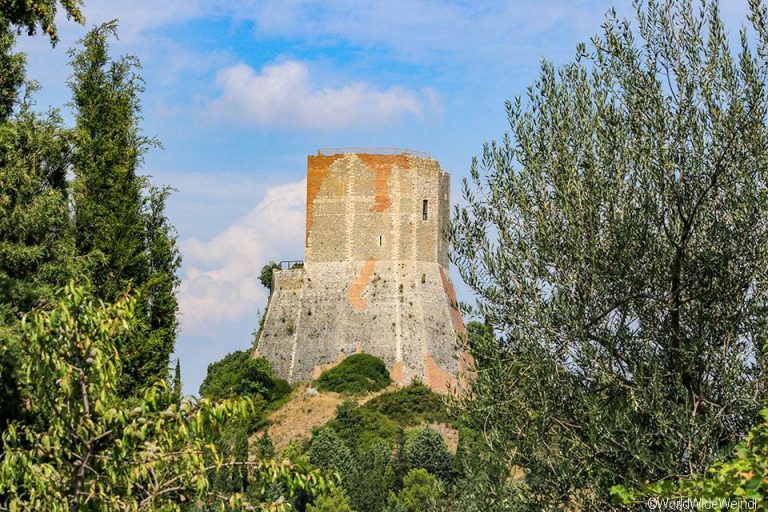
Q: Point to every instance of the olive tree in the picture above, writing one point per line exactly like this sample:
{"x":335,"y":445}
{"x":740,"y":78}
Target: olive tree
{"x":616,"y":238}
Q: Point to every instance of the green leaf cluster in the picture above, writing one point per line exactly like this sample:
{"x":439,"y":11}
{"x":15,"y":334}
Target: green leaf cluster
{"x":33,"y":14}
{"x":421,"y":492}
{"x":336,"y":501}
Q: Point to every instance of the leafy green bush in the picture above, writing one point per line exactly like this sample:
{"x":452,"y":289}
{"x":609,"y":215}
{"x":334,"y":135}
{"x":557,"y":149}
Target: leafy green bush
{"x":240,"y":375}
{"x":410,"y":405}
{"x":359,"y":373}
{"x":266,"y":274}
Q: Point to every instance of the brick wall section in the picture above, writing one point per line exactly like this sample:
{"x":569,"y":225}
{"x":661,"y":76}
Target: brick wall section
{"x":375,"y":276}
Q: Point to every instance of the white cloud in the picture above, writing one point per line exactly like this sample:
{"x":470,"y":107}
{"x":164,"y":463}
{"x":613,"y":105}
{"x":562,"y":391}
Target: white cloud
{"x":282,"y":95}
{"x":221,"y":281}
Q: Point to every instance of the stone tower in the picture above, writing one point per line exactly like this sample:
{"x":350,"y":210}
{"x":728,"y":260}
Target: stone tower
{"x":375,"y":273}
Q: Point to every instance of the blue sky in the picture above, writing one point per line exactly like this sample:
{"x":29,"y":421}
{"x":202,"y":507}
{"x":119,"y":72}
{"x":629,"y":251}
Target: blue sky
{"x":239,"y":92}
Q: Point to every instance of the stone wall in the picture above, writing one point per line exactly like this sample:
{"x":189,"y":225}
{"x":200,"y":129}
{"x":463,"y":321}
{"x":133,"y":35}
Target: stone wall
{"x":375,"y":276}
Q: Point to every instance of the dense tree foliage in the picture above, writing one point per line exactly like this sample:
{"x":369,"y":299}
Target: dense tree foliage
{"x":617,"y":239}
{"x":741,"y":480}
{"x":427,"y":450}
{"x":95,"y":450}
{"x":36,"y":238}
{"x":239,"y":374}
{"x":12,"y":64}
{"x":336,"y":501}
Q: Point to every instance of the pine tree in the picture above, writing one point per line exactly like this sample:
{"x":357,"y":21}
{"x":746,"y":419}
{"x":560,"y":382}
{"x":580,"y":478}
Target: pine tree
{"x":265,"y":449}
{"x":329,"y":453}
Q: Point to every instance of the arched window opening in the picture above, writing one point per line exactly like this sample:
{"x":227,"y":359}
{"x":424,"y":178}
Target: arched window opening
{"x":424,"y":209}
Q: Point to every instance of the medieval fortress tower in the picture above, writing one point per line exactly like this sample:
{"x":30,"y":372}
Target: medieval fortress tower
{"x":375,"y":273}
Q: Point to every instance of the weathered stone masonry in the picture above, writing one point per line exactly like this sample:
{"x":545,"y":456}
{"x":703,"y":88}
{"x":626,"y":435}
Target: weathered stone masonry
{"x":375,"y":276}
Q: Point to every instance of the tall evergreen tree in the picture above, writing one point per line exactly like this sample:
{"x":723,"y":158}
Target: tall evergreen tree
{"x":122,"y":230}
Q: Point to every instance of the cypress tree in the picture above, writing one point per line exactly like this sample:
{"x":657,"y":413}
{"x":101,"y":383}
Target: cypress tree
{"x":122,"y":231}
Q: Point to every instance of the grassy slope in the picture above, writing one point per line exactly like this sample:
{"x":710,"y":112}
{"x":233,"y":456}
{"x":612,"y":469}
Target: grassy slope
{"x":296,"y":418}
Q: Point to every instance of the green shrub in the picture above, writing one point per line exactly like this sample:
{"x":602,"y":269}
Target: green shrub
{"x":266,"y":274}
{"x":295,"y":452}
{"x":264,"y":447}
{"x":240,"y":375}
{"x":359,"y":373}
{"x":411,"y":405}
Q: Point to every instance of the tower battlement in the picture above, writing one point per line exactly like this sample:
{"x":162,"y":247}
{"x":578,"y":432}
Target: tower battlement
{"x":375,"y":276}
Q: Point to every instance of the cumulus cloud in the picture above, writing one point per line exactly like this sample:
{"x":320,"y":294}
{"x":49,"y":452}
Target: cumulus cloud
{"x":282,"y":95}
{"x":221,"y":282}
